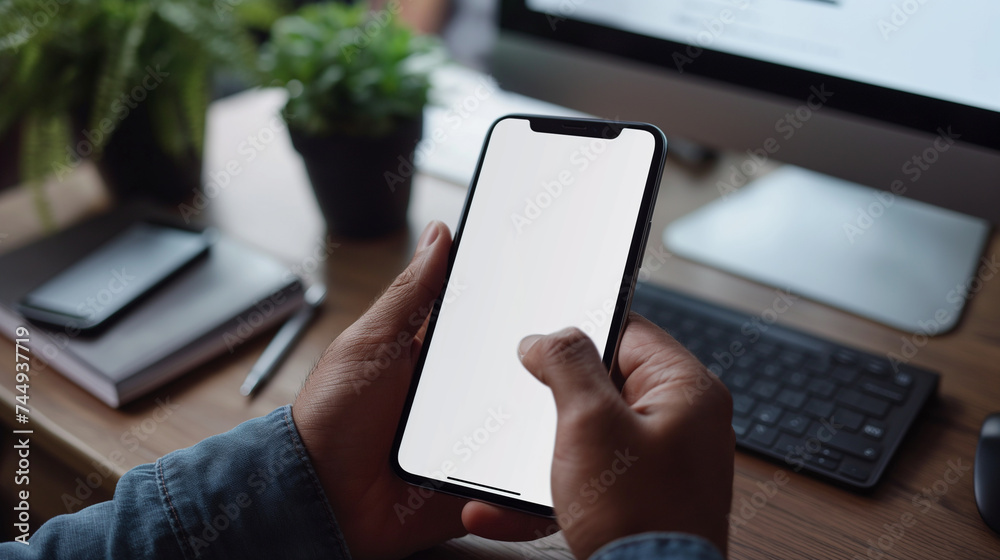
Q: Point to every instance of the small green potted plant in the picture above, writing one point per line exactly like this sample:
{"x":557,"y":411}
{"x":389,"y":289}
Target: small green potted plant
{"x":357,"y":84}
{"x":124,"y":83}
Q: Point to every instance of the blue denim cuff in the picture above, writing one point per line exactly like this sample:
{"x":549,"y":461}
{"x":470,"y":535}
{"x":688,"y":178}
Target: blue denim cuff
{"x":250,"y":492}
{"x":649,"y":546}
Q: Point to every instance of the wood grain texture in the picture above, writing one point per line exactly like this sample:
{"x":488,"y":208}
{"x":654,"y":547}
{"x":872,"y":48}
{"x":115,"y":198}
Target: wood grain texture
{"x":269,"y":205}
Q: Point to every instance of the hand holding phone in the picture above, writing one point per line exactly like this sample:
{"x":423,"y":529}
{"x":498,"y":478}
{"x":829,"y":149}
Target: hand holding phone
{"x":657,"y":457}
{"x":348,"y":409}
{"x":347,"y":413}
{"x":551,"y":236}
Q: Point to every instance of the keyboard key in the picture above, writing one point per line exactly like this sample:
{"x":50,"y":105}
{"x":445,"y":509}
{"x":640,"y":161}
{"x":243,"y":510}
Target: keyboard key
{"x":790,"y":358}
{"x":665,"y":316}
{"x":855,"y":445}
{"x":845,"y":356}
{"x":742,"y":404}
{"x":741,"y":426}
{"x":713,"y":333}
{"x":869,"y":405}
{"x":815,"y":362}
{"x":850,"y":419}
{"x":874,"y":429}
{"x":764,"y":389}
{"x":903,"y":379}
{"x":816,"y":405}
{"x":794,"y":423}
{"x":796,"y":378}
{"x":788,"y":446}
{"x":770,"y":370}
{"x":764,"y":349}
{"x":818,"y":408}
{"x":741,"y":379}
{"x":830,"y":453}
{"x":821,"y":387}
{"x":825,"y":463}
{"x":877,"y":367}
{"x":767,"y":414}
{"x":884,"y":391}
{"x":844,"y":375}
{"x":856,"y":471}
{"x":746,"y":362}
{"x":791,"y":399}
{"x":763,"y":436}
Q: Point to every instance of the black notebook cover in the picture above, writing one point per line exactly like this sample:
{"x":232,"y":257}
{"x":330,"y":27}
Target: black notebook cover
{"x":209,"y":308}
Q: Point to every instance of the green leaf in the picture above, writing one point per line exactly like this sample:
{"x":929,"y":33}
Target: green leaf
{"x":44,"y":139}
{"x":360,"y":72}
{"x":119,"y":66}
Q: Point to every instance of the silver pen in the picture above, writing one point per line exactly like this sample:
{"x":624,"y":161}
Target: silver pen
{"x":283,"y":341}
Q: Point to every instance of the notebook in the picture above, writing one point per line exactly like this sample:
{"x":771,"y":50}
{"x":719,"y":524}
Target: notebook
{"x":210,"y":308}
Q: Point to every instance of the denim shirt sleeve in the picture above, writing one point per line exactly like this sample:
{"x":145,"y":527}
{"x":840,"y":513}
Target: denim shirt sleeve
{"x":248,"y":493}
{"x":658,"y":546}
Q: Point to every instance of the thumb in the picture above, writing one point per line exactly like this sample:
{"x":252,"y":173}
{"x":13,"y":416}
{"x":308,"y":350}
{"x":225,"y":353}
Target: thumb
{"x":568,"y":362}
{"x":402,"y":309}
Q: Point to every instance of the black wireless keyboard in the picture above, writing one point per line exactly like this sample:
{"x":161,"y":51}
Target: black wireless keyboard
{"x":805,"y":402}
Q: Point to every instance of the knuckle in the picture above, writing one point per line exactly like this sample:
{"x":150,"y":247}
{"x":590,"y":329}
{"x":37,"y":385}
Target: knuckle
{"x":568,"y":346}
{"x":408,"y":281}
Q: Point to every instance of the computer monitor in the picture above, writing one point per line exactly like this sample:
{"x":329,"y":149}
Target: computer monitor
{"x":899,"y":95}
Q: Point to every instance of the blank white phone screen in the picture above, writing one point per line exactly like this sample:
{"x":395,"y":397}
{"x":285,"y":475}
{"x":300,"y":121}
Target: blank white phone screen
{"x":544,"y":247}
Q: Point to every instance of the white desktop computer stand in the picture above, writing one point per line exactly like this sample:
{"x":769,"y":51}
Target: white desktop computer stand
{"x":897,"y":261}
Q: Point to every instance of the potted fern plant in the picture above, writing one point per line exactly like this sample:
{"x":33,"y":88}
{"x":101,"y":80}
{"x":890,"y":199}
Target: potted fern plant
{"x":125,"y":83}
{"x":357,"y":83}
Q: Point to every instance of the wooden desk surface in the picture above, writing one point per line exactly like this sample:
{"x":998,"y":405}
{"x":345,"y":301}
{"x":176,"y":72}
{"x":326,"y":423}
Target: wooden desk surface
{"x":269,"y":205}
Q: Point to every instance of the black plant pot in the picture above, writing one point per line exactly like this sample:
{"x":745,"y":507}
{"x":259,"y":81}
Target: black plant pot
{"x":135,"y":166}
{"x":10,"y":156}
{"x":362,"y":184}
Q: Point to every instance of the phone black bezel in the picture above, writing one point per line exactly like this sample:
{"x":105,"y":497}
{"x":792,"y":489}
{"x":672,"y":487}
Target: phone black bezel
{"x":554,"y":125}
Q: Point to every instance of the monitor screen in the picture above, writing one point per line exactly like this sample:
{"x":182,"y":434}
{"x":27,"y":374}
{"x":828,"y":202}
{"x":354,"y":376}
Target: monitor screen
{"x":944,"y":50}
{"x":917,"y":63}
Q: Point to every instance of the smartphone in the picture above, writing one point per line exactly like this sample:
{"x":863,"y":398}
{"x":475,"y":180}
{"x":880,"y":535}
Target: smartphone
{"x":102,"y":284}
{"x":551,"y":236}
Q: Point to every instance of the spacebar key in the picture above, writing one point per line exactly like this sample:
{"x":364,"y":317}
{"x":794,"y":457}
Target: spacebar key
{"x":855,"y":445}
